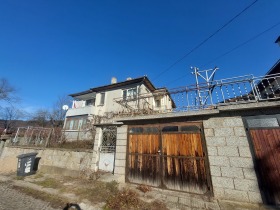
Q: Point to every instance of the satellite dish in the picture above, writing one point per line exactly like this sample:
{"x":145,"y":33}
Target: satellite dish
{"x":65,"y":107}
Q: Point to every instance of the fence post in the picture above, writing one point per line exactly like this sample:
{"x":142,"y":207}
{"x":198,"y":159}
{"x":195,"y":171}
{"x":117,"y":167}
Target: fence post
{"x":254,"y":89}
{"x":48,"y":139}
{"x":78,"y":136}
{"x":2,"y":145}
{"x":15,"y":138}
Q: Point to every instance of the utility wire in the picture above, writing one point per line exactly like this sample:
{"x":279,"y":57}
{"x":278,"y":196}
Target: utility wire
{"x":203,"y":42}
{"x":233,"y":49}
{"x":242,"y":44}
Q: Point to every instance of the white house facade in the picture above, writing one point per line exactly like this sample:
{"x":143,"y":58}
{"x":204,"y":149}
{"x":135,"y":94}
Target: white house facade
{"x":105,"y":103}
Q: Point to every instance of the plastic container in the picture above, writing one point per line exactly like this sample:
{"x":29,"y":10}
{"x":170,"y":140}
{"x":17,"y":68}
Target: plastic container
{"x":26,"y":164}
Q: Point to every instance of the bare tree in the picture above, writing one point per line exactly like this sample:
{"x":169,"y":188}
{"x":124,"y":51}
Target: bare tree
{"x":57,"y":115}
{"x":6,"y":91}
{"x":41,"y":118}
{"x":10,"y":116}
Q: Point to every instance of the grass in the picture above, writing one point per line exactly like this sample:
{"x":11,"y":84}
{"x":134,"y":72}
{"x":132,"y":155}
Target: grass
{"x":38,"y":175}
{"x":96,"y":191}
{"x":19,"y":177}
{"x":49,"y":183}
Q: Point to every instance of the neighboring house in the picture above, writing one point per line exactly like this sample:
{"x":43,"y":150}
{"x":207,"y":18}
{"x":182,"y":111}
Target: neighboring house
{"x":269,"y":86}
{"x":104,"y":103}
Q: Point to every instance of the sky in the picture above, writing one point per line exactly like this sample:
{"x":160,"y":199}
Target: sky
{"x":51,"y":48}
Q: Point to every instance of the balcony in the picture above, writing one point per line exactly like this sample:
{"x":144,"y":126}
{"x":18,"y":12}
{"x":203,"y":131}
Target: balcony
{"x":80,"y":111}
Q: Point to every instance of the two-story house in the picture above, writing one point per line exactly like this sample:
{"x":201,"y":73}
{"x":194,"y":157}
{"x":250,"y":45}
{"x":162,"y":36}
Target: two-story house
{"x":105,"y":103}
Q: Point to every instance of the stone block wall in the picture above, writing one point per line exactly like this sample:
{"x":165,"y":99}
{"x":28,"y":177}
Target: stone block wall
{"x":120,"y":161}
{"x":231,"y":164}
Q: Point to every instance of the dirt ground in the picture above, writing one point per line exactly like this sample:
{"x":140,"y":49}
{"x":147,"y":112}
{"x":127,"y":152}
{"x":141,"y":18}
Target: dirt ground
{"x":86,"y":192}
{"x":96,"y":192}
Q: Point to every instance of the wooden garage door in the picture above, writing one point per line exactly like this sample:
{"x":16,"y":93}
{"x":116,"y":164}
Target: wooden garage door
{"x":169,"y":156}
{"x":266,"y":143}
{"x":143,"y":162}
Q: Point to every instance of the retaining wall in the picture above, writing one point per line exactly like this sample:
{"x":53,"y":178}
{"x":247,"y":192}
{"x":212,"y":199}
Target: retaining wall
{"x":61,"y":161}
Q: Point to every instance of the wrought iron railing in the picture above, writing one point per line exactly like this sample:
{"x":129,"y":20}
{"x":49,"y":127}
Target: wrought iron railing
{"x":109,"y":138}
{"x":235,"y":90}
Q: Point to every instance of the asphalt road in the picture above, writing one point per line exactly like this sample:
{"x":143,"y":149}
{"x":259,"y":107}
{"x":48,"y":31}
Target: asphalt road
{"x":11,"y":199}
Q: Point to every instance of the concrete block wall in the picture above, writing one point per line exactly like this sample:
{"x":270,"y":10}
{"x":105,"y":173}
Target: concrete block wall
{"x":120,"y":159}
{"x":78,"y":161}
{"x":231,"y":164}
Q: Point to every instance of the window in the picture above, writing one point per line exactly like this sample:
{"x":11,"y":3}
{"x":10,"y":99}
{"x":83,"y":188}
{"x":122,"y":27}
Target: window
{"x":102,"y":98}
{"x":90,"y":102}
{"x":170,"y":129}
{"x":75,"y":123}
{"x":130,"y":93}
{"x":158,"y":103}
{"x":124,"y":94}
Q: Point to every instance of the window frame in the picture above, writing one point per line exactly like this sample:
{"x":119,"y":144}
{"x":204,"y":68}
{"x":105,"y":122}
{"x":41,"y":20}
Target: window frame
{"x":158,"y":103}
{"x":90,"y":102}
{"x":130,"y":93}
{"x":76,"y":122}
{"x":102,"y":99}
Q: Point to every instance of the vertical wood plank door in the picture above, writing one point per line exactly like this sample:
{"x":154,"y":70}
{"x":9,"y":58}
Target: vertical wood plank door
{"x":170,"y":156}
{"x":184,"y":162}
{"x":266,"y":143}
{"x":143,"y":162}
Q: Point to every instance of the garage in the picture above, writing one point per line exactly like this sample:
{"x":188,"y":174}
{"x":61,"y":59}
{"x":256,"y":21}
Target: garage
{"x":169,"y":156}
{"x":264,"y":133}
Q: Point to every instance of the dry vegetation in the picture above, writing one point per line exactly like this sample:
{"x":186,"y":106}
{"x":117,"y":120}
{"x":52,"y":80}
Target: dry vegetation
{"x":94,"y":191}
{"x":129,"y":199}
{"x":80,"y":144}
{"x":49,"y":183}
{"x":143,"y":188}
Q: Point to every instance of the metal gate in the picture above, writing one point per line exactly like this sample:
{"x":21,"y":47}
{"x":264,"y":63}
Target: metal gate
{"x":171,"y":156}
{"x":264,"y":132}
{"x":108,"y":148}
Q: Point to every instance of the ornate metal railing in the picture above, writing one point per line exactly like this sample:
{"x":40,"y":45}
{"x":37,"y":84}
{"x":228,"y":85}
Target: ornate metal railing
{"x":235,"y":90}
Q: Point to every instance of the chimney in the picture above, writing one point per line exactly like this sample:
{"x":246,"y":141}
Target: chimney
{"x":113,"y":80}
{"x":128,"y":78}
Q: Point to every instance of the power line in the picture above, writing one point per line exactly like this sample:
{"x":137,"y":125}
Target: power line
{"x":235,"y":48}
{"x":204,"y":41}
{"x":242,"y":44}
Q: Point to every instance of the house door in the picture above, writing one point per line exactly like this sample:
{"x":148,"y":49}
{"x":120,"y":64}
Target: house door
{"x":171,"y":156}
{"x":108,"y":148}
{"x":264,"y":132}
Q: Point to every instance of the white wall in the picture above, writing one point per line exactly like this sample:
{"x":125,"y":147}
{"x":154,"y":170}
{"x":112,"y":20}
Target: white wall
{"x":111,"y":106}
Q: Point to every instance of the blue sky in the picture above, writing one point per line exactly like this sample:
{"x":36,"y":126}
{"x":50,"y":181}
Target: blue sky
{"x":53,"y":48}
